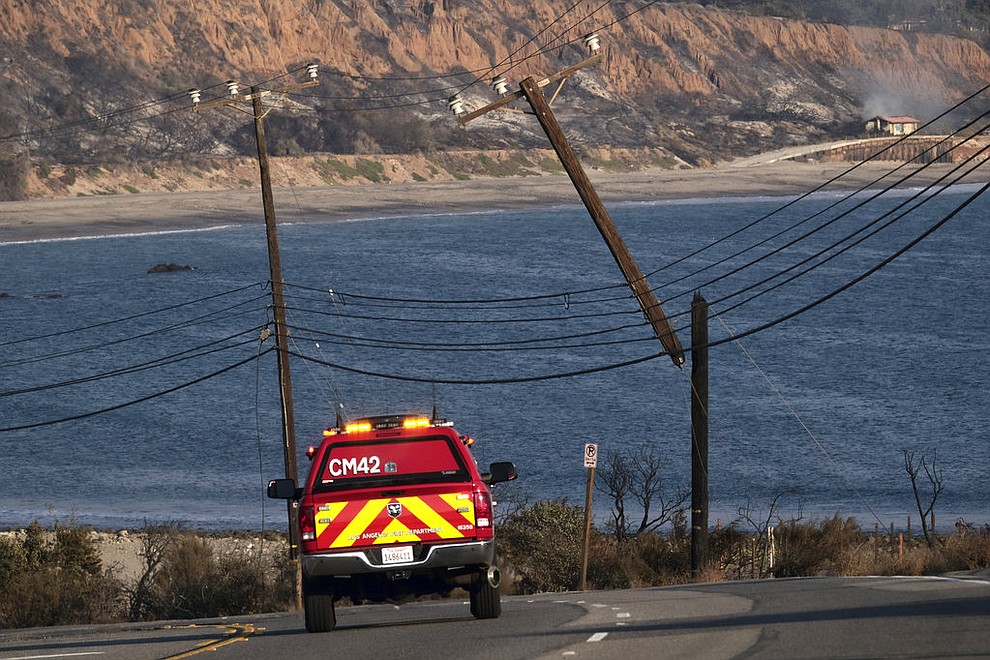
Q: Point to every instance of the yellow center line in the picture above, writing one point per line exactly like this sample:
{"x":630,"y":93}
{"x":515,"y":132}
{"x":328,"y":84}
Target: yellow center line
{"x":235,"y":632}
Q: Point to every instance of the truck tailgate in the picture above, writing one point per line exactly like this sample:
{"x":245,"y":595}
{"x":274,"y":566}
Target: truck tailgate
{"x":414,"y":516}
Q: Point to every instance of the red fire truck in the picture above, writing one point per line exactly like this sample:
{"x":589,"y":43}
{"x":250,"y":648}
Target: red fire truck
{"x":395,"y":507}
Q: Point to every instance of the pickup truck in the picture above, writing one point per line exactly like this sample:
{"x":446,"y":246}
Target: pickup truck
{"x":395,"y":507}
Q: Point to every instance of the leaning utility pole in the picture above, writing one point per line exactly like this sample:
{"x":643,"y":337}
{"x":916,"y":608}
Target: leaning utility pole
{"x":259,"y":112}
{"x":531,"y":89}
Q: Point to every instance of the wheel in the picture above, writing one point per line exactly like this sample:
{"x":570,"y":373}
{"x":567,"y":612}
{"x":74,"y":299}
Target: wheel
{"x":318,"y":605}
{"x":486,"y":601}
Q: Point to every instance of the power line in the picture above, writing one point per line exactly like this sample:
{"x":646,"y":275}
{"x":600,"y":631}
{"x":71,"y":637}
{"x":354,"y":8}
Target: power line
{"x":464,"y":321}
{"x":977,"y":159}
{"x":882,"y":226}
{"x":188,"y":354}
{"x":102,"y":324}
{"x":209,"y":316}
{"x":626,"y":363}
{"x":836,"y":178}
{"x":429,"y":303}
{"x":489,"y":347}
{"x":72,"y":418}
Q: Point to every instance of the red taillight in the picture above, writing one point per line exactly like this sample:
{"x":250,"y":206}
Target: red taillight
{"x":483,"y":511}
{"x":307,"y":523}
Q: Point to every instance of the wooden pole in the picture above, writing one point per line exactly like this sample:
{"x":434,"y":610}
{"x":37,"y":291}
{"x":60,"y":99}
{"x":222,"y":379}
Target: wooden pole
{"x":281,"y":332}
{"x":699,"y":435}
{"x":587,"y":529}
{"x":640,"y":287}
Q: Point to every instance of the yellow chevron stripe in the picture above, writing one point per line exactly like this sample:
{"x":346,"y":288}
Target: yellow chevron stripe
{"x":396,"y":532}
{"x":430,"y":518}
{"x":359,"y":523}
{"x":326,"y":514}
{"x":459,"y":501}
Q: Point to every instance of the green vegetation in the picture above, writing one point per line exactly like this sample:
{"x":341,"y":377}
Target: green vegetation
{"x":516,"y":164}
{"x":131,"y":189}
{"x":371,"y":170}
{"x":666,"y":162}
{"x":332,"y":170}
{"x":551,"y":165}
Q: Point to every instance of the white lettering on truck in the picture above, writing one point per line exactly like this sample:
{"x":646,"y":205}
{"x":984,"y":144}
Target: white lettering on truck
{"x":344,"y":467}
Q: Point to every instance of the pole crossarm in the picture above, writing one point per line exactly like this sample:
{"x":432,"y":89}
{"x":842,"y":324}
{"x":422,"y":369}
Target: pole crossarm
{"x":250,"y":97}
{"x":513,"y":96}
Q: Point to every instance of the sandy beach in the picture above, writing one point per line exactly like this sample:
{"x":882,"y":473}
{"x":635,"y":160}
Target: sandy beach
{"x":134,"y":213}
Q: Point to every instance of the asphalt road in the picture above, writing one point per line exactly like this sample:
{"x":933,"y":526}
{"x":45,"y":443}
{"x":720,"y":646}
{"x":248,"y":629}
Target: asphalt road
{"x":800,"y":618}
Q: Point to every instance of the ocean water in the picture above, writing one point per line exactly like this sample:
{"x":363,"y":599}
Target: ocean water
{"x":131,"y":398}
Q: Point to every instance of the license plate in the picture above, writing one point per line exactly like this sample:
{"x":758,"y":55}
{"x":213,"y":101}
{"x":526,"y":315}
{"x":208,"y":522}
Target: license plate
{"x":401,"y":555}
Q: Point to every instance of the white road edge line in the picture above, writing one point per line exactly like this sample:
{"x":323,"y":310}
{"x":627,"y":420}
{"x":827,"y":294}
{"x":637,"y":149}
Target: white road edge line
{"x":57,"y":655}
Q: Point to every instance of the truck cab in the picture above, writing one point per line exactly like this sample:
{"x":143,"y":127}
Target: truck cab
{"x":395,"y":507}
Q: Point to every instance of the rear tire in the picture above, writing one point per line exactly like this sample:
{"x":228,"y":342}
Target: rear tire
{"x":319,"y":607}
{"x":486,"y":600}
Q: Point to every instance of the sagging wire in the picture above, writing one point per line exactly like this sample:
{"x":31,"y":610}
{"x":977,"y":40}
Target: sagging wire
{"x":794,"y":413}
{"x":829,"y":182}
{"x":132,"y":317}
{"x":626,"y":363}
{"x":175,"y":358}
{"x":876,"y":223}
{"x":93,"y":413}
{"x":208,"y":317}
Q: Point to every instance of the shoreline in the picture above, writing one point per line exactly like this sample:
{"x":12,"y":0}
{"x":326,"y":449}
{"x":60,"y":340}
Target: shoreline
{"x":66,"y":218}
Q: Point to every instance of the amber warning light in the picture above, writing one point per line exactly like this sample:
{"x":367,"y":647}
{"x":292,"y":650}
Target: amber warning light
{"x":385,"y":422}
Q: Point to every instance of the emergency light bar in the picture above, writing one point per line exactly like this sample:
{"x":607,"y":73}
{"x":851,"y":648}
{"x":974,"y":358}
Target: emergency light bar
{"x":385,"y":422}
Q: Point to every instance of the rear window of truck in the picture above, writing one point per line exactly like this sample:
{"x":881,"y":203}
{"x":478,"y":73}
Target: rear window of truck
{"x":392,"y":462}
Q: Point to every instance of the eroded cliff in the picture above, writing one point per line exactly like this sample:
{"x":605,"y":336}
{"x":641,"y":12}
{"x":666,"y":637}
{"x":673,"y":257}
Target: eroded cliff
{"x":703,"y":83}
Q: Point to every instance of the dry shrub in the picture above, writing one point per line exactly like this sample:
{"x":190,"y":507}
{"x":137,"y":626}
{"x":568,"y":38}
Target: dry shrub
{"x":610,"y":565}
{"x":541,"y":547}
{"x":190,"y":576}
{"x":968,"y":549}
{"x":807,"y":548}
{"x":55,"y":577}
{"x":543,"y":543}
{"x":728,"y":550}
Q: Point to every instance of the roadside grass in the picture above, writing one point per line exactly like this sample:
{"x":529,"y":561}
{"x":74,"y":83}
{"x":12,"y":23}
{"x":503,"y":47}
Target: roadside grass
{"x":54,"y":576}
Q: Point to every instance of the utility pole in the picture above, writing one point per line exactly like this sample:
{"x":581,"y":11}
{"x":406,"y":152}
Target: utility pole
{"x":259,"y":112}
{"x":699,"y":435}
{"x":531,"y":89}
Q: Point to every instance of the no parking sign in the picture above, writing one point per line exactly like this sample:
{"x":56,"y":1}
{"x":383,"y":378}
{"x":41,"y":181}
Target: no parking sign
{"x":591,"y":455}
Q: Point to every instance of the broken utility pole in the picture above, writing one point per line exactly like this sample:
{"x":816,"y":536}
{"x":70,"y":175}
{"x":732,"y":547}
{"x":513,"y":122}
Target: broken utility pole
{"x":531,"y":89}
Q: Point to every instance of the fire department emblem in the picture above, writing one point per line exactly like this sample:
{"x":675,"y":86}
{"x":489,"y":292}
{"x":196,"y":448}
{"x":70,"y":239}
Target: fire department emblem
{"x":394,"y":509}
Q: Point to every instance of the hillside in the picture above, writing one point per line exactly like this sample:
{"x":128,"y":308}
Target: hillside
{"x":103,"y":82}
